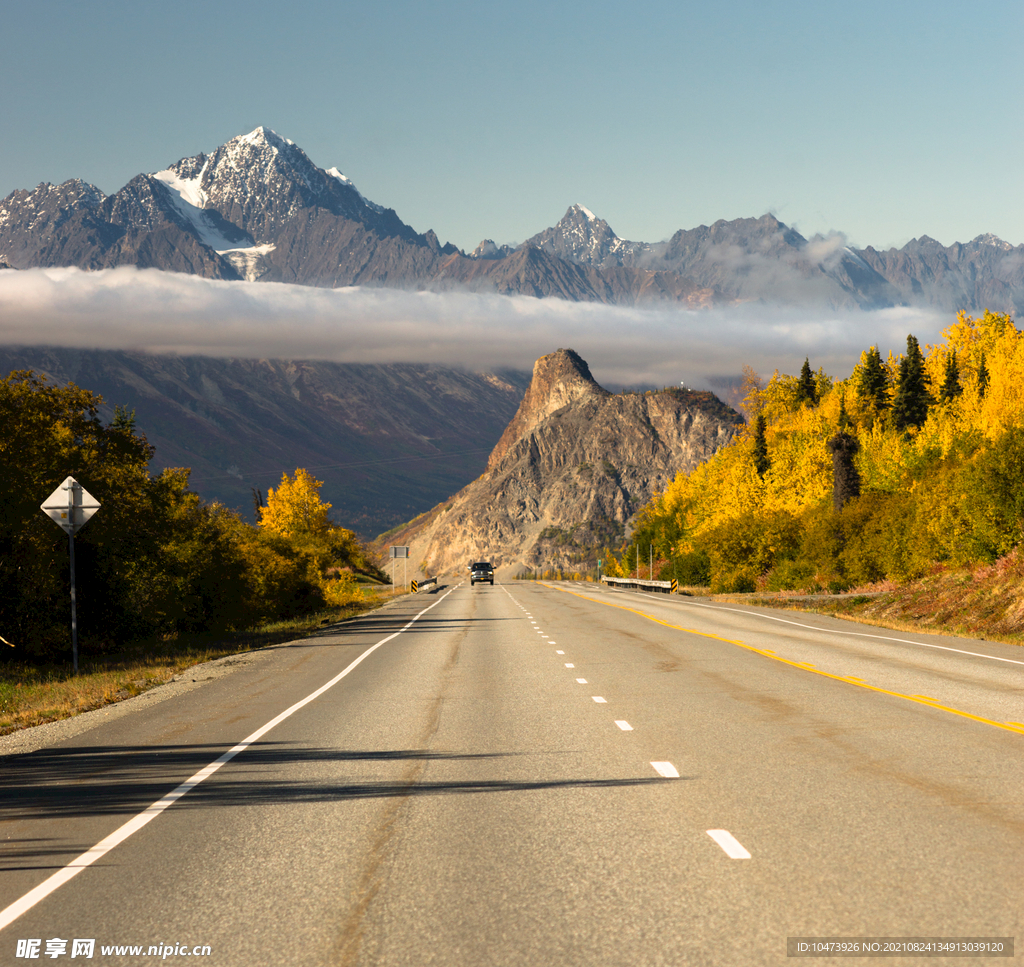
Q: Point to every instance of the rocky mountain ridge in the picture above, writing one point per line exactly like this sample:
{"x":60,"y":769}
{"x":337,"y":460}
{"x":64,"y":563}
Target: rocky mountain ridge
{"x":257,"y":208}
{"x":575,"y":458}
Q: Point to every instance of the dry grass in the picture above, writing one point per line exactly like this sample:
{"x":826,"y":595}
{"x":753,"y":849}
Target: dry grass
{"x":31,"y":695}
{"x":985,"y":602}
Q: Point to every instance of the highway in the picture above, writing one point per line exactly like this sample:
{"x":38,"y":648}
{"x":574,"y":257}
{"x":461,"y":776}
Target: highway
{"x":534,"y":774}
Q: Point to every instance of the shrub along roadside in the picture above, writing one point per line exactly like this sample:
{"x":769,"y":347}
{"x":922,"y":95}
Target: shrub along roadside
{"x":985,"y":602}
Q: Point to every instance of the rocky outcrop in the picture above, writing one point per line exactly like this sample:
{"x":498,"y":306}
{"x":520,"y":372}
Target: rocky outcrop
{"x":575,"y":458}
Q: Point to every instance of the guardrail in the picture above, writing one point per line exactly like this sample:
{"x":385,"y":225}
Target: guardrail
{"x":665,"y":587}
{"x":425,"y":583}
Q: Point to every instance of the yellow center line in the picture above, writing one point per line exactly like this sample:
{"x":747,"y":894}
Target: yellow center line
{"x":804,"y":666}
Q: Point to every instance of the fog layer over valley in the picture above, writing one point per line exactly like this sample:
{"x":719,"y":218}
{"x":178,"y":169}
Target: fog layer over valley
{"x":162,"y":312}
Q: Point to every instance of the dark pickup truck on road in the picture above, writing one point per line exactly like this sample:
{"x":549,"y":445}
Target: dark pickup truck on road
{"x":481,"y":571}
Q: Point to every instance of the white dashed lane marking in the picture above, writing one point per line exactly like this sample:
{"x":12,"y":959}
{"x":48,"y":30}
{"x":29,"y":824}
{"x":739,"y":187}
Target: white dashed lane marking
{"x":569,"y":664}
{"x":582,"y":681}
{"x":625,"y":726}
{"x":559,"y":652}
{"x":732,"y":846}
{"x":666,"y":770}
{"x":600,"y":699}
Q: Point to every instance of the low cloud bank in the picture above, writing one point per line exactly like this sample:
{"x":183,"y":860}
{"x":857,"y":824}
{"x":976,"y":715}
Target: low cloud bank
{"x":155,"y":311}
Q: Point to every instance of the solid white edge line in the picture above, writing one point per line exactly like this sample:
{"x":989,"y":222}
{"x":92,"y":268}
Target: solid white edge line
{"x":104,"y":846}
{"x":666,"y":769}
{"x":836,"y":631}
{"x":734,"y":849}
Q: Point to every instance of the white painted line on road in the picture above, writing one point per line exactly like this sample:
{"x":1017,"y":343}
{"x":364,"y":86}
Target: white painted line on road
{"x":666,"y":769}
{"x":582,"y":681}
{"x":559,"y":652}
{"x":119,"y":835}
{"x":625,"y":726}
{"x":569,"y":664}
{"x":599,"y":699}
{"x":734,"y":849}
{"x":854,"y":634}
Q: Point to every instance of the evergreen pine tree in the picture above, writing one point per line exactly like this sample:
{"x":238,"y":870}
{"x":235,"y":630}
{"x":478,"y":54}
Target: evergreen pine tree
{"x":844,"y":417}
{"x":846,"y":479}
{"x":951,"y":387}
{"x":761,"y":461}
{"x":910,"y":407}
{"x":982,"y":376}
{"x":874,"y":380}
{"x":806,"y":388}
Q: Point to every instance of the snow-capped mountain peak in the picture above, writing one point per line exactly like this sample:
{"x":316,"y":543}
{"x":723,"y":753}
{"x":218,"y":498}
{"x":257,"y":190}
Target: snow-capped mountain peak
{"x":994,"y":240}
{"x":580,"y":236}
{"x":263,"y":135}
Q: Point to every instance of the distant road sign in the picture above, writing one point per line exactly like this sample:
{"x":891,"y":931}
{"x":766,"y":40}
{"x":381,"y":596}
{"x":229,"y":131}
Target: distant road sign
{"x":70,"y":506}
{"x":399,"y":551}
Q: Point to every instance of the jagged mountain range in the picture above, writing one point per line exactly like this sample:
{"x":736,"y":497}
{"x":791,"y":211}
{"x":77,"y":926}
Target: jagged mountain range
{"x":257,"y":208}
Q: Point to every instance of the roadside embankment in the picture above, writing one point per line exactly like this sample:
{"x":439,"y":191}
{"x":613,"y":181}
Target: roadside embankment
{"x":32,"y":695}
{"x":986,"y":601}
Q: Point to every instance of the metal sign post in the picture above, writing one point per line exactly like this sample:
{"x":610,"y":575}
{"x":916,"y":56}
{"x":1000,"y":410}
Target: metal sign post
{"x":402,"y":552}
{"x":70,"y":506}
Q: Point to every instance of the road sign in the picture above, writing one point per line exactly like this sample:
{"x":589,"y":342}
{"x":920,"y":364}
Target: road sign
{"x":402,"y":552}
{"x":70,"y":506}
{"x":415,"y":586}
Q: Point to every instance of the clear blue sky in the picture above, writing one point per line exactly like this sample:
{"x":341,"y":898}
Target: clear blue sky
{"x":885,"y":120}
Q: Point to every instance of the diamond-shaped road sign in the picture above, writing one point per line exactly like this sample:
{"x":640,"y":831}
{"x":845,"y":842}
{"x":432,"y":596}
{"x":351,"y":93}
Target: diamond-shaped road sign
{"x":70,"y":506}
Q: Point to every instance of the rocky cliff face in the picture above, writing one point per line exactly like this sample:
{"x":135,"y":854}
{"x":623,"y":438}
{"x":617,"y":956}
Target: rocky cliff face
{"x":575,"y":458}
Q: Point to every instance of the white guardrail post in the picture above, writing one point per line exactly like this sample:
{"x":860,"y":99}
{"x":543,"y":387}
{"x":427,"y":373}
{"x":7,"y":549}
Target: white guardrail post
{"x":664,"y":587}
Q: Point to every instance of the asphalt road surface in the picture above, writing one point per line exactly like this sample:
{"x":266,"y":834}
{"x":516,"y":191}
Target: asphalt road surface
{"x":533,"y":775}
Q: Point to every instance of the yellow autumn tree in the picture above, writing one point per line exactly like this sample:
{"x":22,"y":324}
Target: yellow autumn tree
{"x":296,"y":515}
{"x":948,"y":490}
{"x":295,"y":509}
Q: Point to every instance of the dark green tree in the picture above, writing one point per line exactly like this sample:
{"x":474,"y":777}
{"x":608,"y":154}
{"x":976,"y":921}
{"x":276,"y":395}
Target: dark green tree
{"x":806,"y":387}
{"x":844,"y":417}
{"x":845,"y":478}
{"x":951,"y":387}
{"x":761,"y":461}
{"x":873,"y":385}
{"x":910,"y":406}
{"x":982,"y":376}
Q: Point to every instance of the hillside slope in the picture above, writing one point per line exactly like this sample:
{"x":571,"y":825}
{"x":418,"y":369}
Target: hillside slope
{"x":387,"y":440}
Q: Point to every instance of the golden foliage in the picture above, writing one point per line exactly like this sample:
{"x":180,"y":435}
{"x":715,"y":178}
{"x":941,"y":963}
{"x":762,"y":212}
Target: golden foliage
{"x":295,"y":508}
{"x":947,"y":491}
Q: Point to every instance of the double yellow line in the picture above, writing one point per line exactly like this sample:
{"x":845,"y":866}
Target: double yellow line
{"x":804,"y":666}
